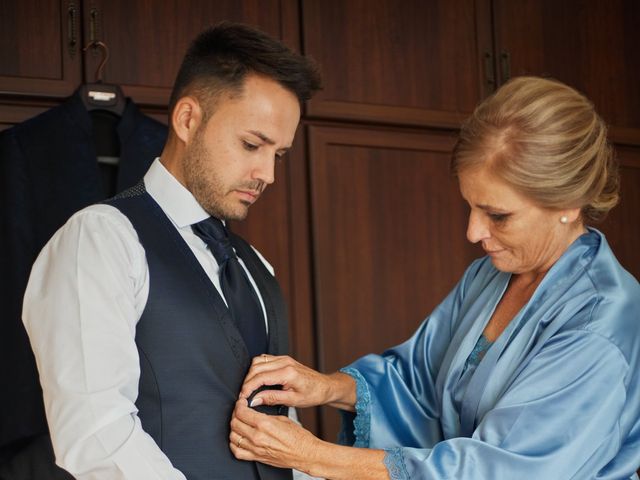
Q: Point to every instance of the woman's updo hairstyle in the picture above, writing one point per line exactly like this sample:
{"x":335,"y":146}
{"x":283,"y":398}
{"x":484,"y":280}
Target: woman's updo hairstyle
{"x":545,"y":140}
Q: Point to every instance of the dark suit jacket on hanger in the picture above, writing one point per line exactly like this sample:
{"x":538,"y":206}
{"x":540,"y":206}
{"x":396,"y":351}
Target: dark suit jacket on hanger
{"x":48,"y":171}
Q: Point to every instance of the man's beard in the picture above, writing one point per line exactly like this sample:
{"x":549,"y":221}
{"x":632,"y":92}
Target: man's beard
{"x":206,"y":187}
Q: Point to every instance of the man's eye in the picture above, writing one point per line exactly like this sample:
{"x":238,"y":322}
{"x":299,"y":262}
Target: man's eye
{"x":249,"y":146}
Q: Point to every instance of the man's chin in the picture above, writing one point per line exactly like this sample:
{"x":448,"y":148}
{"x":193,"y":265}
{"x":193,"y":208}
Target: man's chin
{"x":237,"y":213}
{"x":237,"y":210}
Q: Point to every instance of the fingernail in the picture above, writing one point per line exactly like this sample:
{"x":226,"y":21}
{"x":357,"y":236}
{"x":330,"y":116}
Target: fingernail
{"x":255,"y":402}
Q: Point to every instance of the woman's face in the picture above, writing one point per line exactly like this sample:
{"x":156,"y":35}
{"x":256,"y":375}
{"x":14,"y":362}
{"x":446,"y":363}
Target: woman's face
{"x":519,"y":236}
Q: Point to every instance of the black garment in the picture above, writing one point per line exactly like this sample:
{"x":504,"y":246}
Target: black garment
{"x":193,"y":359}
{"x":34,"y":461}
{"x":48,"y":171}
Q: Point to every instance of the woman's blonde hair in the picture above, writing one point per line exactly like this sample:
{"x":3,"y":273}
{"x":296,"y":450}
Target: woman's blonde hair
{"x":545,"y":140}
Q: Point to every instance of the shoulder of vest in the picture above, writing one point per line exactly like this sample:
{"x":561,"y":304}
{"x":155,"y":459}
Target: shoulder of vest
{"x":136,"y":191}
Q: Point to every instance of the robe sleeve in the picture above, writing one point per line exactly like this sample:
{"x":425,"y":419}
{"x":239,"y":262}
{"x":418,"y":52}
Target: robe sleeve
{"x":398,"y":387}
{"x":558,"y":419}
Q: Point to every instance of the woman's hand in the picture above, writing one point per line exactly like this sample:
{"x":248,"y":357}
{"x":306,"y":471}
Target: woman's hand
{"x":301,"y":385}
{"x":272,"y":439}
{"x":279,"y":441}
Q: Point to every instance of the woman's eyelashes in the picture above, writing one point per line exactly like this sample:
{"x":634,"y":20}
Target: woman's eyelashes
{"x":498,"y":217}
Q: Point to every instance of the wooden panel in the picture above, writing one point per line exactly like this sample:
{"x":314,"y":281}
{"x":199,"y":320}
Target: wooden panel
{"x":148,"y":39}
{"x":12,"y":114}
{"x":413,"y":62}
{"x":590,"y":44}
{"x":40,"y":54}
{"x":389,"y":238}
{"x":622,"y":227}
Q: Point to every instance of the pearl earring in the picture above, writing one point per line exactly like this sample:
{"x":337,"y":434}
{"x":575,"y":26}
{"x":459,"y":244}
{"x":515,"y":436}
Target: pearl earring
{"x":564,"y":219}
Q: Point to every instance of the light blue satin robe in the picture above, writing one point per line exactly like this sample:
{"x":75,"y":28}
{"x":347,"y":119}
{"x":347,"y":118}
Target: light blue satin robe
{"x":562,"y":402}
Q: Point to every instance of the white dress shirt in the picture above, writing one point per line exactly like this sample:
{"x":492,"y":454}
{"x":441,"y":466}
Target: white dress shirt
{"x":87,"y":291}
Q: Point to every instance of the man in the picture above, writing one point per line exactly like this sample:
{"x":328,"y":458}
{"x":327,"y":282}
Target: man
{"x":142,"y":319}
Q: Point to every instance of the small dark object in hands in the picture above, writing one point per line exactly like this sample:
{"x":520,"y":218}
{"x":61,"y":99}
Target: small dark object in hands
{"x":268,"y":409}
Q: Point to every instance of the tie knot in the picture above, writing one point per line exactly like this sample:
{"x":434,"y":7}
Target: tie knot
{"x":215,"y":235}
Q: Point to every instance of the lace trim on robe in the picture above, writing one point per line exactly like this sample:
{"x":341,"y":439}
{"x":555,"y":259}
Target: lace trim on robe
{"x":479,"y":351}
{"x":362,"y":421}
{"x":394,"y":462}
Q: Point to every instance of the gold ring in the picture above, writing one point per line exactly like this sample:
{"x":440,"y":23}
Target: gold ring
{"x":264,"y":357}
{"x":240,"y":442}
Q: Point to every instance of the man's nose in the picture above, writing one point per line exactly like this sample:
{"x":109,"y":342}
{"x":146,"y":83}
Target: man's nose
{"x":265,"y":170}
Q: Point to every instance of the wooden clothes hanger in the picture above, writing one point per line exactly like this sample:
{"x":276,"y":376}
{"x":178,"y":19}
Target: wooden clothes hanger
{"x":100,"y":95}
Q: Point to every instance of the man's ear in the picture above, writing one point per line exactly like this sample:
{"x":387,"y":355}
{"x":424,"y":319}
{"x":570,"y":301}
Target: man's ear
{"x":186,"y":118}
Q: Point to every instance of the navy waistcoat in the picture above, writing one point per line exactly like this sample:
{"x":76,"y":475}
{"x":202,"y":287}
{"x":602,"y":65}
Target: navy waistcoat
{"x":192,"y":357}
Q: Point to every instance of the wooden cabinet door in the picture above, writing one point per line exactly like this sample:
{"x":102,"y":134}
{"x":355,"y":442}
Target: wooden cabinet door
{"x":147,"y":39}
{"x":415,"y":62}
{"x":40,"y":47}
{"x":388,"y":232}
{"x":622,"y":227}
{"x":591,"y":45}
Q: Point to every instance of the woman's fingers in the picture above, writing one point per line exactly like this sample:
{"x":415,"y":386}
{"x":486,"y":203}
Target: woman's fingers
{"x":244,"y":418}
{"x":243,"y":430}
{"x":280,"y":371}
{"x":241,"y":447}
{"x":258,"y":368}
{"x":266,"y":358}
{"x":248,"y":439}
{"x":274,"y":440}
{"x":265,"y":370}
{"x":301,"y":386}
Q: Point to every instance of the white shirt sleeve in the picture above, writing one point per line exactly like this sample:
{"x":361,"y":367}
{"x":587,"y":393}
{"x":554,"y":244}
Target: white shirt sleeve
{"x":85,"y":295}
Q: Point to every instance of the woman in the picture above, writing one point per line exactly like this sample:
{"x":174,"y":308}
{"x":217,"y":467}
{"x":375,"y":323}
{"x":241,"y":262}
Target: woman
{"x":530,"y":368}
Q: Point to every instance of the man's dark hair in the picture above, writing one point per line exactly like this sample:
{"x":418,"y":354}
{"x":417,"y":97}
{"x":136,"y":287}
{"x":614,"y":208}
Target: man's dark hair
{"x":221,"y":56}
